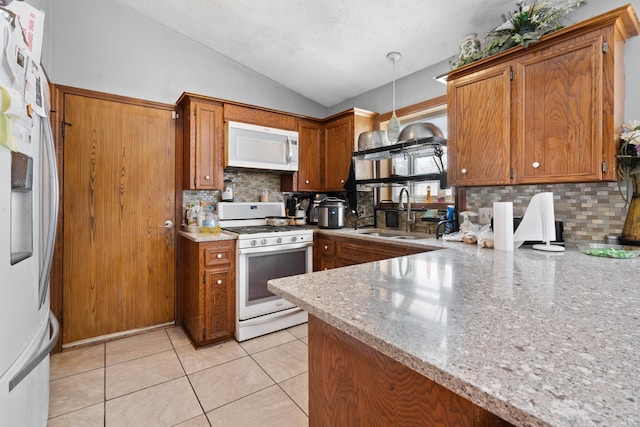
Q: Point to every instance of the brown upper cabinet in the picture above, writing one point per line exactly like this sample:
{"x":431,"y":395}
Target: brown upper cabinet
{"x":547,"y":114}
{"x":324,"y":152}
{"x":258,"y":116}
{"x":203,"y":139}
{"x":340,"y":138}
{"x":309,"y":175}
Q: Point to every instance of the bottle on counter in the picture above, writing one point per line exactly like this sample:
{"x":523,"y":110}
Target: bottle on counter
{"x":428,"y":194}
{"x":193,"y":214}
{"x":200,"y":214}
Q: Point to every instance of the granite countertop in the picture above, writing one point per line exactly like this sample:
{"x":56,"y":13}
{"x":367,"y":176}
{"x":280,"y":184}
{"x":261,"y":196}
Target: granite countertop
{"x":536,"y":338}
{"x":208,"y":237}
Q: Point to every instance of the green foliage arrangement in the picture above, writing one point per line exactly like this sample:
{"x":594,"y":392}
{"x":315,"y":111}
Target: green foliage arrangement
{"x":527,"y":24}
{"x":629,"y":158}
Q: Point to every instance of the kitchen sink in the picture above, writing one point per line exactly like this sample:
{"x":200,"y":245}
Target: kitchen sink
{"x":378,"y":234}
{"x":392,"y":235}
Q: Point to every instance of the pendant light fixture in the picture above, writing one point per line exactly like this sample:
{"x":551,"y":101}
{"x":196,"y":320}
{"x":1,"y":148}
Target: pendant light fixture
{"x":393,"y":127}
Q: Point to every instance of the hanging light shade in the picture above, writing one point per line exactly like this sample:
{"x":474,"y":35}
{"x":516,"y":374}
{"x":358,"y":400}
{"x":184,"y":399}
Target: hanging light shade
{"x":393,"y":127}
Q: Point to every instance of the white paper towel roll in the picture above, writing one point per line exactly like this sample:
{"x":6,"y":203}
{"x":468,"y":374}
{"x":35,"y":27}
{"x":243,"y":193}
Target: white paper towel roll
{"x":538,"y":223}
{"x":503,"y":226}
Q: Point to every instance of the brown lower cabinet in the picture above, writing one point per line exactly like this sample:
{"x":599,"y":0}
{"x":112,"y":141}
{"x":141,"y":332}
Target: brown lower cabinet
{"x":353,"y":384}
{"x":339,"y":251}
{"x":208,"y":289}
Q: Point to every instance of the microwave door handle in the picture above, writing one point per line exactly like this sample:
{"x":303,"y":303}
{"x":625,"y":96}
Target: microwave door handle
{"x":290,"y":150}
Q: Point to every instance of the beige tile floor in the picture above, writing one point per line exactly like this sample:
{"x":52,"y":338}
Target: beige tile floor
{"x":158,"y":379}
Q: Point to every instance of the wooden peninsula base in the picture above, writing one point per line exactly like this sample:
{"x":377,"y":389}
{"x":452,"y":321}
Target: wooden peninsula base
{"x":352,"y":384}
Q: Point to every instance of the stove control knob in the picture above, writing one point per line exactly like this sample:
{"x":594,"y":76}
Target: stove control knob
{"x":263,"y":242}
{"x":279,"y":240}
{"x":294,"y":239}
{"x":253,"y":243}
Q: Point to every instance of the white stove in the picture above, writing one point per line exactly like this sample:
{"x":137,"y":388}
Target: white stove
{"x":263,"y":253}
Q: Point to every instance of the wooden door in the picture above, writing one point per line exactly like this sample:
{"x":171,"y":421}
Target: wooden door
{"x":559,"y":115}
{"x":119,"y":183}
{"x":338,"y":151}
{"x":479,"y":115}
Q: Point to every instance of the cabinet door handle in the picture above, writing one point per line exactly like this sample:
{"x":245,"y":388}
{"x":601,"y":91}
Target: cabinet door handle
{"x":219,"y":282}
{"x":463,"y":170}
{"x":219,"y":256}
{"x":535,"y":165}
{"x":342,"y":181}
{"x":326,"y":247}
{"x":306,"y":181}
{"x":206,"y":177}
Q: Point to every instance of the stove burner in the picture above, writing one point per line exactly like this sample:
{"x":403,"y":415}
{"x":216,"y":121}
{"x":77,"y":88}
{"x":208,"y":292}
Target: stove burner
{"x":253,"y":229}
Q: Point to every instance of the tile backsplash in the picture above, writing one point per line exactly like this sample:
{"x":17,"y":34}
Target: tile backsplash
{"x":590,"y":211}
{"x":248,"y":186}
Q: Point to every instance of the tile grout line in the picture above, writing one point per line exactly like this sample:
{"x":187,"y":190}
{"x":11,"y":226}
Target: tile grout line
{"x":104,"y":395}
{"x":275,"y":383}
{"x":273,"y":379}
{"x":174,"y":349}
{"x":189,"y":380}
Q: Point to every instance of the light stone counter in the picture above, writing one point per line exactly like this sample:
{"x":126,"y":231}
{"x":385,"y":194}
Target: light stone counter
{"x":208,"y":237}
{"x":536,"y":338}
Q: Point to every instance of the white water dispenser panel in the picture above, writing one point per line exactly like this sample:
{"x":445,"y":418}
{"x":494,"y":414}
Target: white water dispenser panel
{"x":21,"y":207}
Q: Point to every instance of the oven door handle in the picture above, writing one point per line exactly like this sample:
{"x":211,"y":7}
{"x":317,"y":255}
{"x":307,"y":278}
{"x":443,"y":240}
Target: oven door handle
{"x":278,"y":248}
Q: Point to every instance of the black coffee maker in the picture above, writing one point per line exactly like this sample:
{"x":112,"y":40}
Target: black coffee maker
{"x":290,"y":206}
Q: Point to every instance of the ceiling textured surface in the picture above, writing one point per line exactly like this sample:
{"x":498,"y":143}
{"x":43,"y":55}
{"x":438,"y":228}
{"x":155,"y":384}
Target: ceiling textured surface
{"x":328,"y":50}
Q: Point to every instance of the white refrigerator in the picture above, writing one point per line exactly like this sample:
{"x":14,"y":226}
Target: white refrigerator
{"x":28,"y":212}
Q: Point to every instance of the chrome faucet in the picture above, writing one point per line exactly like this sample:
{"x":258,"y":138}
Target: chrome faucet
{"x":410,"y":217}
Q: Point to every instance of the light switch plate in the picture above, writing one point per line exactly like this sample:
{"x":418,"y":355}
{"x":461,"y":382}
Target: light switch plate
{"x":484,"y":215}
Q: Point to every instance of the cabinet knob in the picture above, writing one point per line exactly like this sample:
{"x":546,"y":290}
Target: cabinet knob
{"x":342,"y":181}
{"x":326,"y":247}
{"x":219,"y":256}
{"x":535,"y":165}
{"x":306,"y":181}
{"x":219,"y":282}
{"x":463,"y":170}
{"x":206,"y":177}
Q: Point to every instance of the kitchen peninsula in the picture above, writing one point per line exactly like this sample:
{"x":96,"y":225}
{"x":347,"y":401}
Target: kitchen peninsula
{"x":534,"y":338}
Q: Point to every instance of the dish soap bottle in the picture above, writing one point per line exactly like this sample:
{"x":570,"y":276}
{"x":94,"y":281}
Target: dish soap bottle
{"x":200,"y":214}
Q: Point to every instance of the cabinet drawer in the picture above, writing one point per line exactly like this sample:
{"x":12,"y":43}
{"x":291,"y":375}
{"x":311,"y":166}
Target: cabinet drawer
{"x":326,"y":246}
{"x":219,"y":254}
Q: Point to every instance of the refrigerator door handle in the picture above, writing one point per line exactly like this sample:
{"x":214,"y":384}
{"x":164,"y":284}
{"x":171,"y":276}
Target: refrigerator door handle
{"x":53,"y":208}
{"x":38,"y":357}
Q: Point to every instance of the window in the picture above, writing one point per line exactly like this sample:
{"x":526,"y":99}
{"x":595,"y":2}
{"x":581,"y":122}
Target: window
{"x":416,"y":164}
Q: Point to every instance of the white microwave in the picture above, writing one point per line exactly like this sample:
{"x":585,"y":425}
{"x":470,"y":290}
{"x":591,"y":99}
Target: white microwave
{"x":260,"y":147}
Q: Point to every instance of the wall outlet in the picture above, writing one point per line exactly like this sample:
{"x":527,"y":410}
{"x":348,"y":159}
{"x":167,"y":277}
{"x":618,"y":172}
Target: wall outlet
{"x":484,"y":215}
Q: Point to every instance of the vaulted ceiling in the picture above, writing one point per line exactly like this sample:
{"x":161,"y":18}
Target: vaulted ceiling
{"x":329,"y":50}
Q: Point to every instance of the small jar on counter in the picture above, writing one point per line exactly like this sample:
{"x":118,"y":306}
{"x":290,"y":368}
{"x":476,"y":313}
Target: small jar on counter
{"x":211,"y":223}
{"x":612,"y":240}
